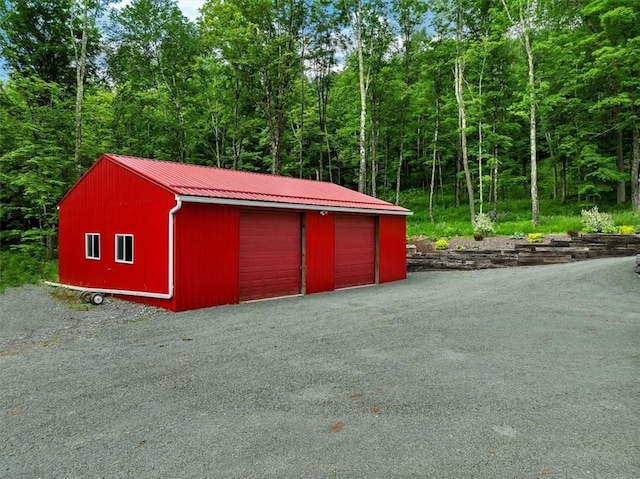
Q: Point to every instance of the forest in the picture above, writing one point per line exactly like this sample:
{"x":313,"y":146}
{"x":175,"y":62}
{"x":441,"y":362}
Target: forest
{"x":460,"y":103}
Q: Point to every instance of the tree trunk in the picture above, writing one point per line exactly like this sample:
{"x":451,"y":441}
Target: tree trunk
{"x":495,"y":179}
{"x":362,"y":175}
{"x":535,"y":208}
{"x":494,"y":171}
{"x":563,"y":180}
{"x":635,"y":170}
{"x":81,"y":68}
{"x":532,"y":134}
{"x":524,"y":25}
{"x":457,"y":184}
{"x":302,"y":105}
{"x":462,"y":118}
{"x":622,"y":197}
{"x":375,"y":133}
{"x":399,"y":170}
{"x":555,"y":164}
{"x":276,"y":144}
{"x":480,"y":184}
{"x":433,"y":164}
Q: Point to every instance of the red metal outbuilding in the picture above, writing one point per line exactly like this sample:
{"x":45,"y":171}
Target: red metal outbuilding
{"x":185,"y":236}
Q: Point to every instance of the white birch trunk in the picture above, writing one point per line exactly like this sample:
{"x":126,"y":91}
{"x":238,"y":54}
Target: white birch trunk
{"x":459,"y":72}
{"x":362,"y":175}
{"x":433,"y":163}
{"x":535,"y":208}
{"x":81,"y":69}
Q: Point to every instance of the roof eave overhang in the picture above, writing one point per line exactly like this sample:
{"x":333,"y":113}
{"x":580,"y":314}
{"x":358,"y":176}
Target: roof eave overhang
{"x":289,"y":206}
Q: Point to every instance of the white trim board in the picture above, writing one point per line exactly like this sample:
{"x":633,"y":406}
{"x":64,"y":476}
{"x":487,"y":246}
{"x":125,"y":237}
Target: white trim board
{"x":289,"y":206}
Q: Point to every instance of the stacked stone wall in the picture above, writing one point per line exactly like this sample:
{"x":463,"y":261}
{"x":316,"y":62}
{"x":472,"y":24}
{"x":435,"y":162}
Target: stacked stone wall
{"x":588,"y":246}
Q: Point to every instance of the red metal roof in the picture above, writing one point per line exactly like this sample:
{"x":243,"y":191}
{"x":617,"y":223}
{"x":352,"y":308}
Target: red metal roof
{"x":207,"y":182}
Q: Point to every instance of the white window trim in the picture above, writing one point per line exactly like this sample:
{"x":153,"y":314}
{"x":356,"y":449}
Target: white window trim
{"x":123,"y":235}
{"x":86,"y":246}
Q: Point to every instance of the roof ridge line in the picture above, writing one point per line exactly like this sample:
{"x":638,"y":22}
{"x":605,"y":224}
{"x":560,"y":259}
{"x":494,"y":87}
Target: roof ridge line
{"x":207,"y":188}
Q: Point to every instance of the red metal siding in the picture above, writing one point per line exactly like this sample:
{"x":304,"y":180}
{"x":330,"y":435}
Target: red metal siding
{"x":354,"y":250}
{"x":392,"y":248}
{"x":319,"y":251}
{"x":207,"y":255}
{"x":270,"y":254}
{"x":111,"y":200}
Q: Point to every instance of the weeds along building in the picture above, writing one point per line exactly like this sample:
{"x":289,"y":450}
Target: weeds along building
{"x":183,"y":236}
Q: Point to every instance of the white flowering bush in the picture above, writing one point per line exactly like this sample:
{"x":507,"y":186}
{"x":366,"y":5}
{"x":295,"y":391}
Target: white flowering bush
{"x":594,"y":221}
{"x":482,"y":225}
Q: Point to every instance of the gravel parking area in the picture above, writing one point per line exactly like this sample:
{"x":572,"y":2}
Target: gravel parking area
{"x":508,"y":373}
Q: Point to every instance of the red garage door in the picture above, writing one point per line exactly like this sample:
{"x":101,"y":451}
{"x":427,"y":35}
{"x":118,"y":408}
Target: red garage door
{"x":355,"y":251}
{"x":270,"y":254}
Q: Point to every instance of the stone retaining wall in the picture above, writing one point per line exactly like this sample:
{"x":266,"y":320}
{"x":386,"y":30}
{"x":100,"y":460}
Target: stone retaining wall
{"x":588,"y":246}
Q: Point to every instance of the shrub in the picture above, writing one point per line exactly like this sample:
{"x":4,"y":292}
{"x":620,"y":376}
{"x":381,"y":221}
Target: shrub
{"x":478,"y":236}
{"x":572,"y":233}
{"x":441,"y":244}
{"x":18,"y":268}
{"x":535,"y":237}
{"x":595,"y":221}
{"x":518,"y":235}
{"x":483,"y":225}
{"x":460,"y":247}
{"x":626,"y":230}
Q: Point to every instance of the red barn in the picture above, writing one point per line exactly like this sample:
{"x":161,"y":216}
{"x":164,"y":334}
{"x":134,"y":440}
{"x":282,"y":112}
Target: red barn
{"x":185,"y":236}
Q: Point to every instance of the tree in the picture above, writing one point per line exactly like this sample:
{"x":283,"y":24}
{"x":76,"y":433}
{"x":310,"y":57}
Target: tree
{"x":34,"y":162}
{"x":522,"y":23}
{"x":152,"y":48}
{"x":370,"y":39}
{"x":615,"y":37}
{"x":35,"y":39}
{"x":323,"y":43}
{"x":261,"y":39}
{"x":87,"y":11}
{"x":409,"y":15}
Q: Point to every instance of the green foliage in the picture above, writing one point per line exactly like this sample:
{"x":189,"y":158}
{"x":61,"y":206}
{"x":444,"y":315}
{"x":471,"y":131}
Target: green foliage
{"x":626,"y":230}
{"x":535,"y":237}
{"x":594,"y":221}
{"x":19,"y":267}
{"x":441,"y":244}
{"x":483,"y":225}
{"x":518,"y":235}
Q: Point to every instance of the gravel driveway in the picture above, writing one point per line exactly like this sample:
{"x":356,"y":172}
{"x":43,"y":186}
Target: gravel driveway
{"x":509,"y":373}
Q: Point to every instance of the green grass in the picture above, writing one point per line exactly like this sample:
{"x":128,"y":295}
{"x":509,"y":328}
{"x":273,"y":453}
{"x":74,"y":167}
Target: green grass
{"x":70,"y":298}
{"x":512,"y":216}
{"x":18,"y":268}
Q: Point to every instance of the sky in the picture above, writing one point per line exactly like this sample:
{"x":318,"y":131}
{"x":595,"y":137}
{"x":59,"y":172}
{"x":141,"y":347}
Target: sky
{"x":189,"y":7}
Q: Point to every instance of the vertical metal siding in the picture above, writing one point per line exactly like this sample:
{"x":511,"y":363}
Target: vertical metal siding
{"x":320,"y":252}
{"x":111,"y":200}
{"x":206,"y":255}
{"x":392,"y":248}
{"x":354,"y":250}
{"x":270,"y":254}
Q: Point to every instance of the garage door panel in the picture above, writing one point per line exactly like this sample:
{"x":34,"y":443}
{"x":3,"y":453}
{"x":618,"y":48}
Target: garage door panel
{"x":270,"y":254}
{"x":354,"y":251}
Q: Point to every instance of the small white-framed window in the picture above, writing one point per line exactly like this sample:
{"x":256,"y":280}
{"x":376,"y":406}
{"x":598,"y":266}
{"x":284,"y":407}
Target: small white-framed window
{"x":92,"y":245}
{"x":124,"y":248}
